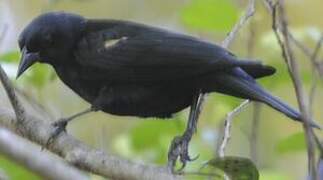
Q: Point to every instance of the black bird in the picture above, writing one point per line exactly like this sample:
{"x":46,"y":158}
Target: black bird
{"x":130,"y":69}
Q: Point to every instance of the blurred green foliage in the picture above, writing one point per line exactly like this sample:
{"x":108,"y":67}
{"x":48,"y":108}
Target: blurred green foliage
{"x":37,"y":76}
{"x":15,"y":171}
{"x":10,"y":57}
{"x":145,"y":135}
{"x":269,"y":175}
{"x":292,"y":143}
{"x":155,"y":134}
{"x":210,"y":15}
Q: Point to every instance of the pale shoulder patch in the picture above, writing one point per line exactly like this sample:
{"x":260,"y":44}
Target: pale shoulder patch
{"x":111,"y":42}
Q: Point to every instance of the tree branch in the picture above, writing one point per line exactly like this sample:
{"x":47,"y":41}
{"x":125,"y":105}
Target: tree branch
{"x":30,"y":156}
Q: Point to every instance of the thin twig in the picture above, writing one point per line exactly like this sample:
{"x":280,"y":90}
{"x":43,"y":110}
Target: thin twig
{"x":300,"y":94}
{"x":315,"y":66}
{"x":313,"y":56}
{"x":227,"y":126}
{"x":280,"y":28}
{"x":19,"y":110}
{"x":306,"y":50}
{"x":312,"y":94}
{"x":243,"y":20}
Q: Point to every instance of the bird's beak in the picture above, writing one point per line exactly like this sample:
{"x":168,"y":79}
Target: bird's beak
{"x":27,"y":60}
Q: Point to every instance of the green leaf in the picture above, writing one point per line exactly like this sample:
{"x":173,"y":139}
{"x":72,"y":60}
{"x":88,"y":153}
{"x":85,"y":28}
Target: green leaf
{"x":293,"y":143}
{"x":10,"y":57}
{"x":237,"y":168}
{"x":210,"y":15}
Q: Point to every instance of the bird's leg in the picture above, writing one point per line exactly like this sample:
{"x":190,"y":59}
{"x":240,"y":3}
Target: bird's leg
{"x":179,"y":145}
{"x":61,"y":124}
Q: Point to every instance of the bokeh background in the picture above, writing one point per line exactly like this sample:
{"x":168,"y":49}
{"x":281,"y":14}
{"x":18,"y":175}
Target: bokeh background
{"x":279,"y":152}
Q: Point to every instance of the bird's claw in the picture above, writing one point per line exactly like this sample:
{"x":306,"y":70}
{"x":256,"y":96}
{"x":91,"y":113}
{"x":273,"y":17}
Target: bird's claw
{"x":60,"y":126}
{"x":179,"y":149}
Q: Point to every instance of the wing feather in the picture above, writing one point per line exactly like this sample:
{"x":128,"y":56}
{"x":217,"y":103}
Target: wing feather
{"x":134,"y":52}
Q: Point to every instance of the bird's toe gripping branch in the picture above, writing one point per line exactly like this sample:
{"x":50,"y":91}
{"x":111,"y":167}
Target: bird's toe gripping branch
{"x":179,"y":149}
{"x":60,"y":126}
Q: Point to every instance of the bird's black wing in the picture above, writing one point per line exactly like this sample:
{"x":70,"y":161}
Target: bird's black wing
{"x":132,"y":52}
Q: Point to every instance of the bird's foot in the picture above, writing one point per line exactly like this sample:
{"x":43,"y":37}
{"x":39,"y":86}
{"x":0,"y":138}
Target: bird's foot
{"x":179,"y":148}
{"x":59,"y":127}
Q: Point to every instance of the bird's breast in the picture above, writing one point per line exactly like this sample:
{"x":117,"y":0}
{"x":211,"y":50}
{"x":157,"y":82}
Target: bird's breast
{"x":73,"y":78}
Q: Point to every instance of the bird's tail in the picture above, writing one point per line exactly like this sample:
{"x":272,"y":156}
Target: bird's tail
{"x":248,"y":88}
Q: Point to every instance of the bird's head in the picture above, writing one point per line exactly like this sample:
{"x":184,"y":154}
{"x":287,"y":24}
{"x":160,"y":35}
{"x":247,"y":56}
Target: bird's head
{"x":49,"y":38}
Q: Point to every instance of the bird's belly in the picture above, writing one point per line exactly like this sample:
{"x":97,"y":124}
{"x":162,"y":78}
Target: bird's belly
{"x":141,"y":101}
{"x":157,"y":100}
